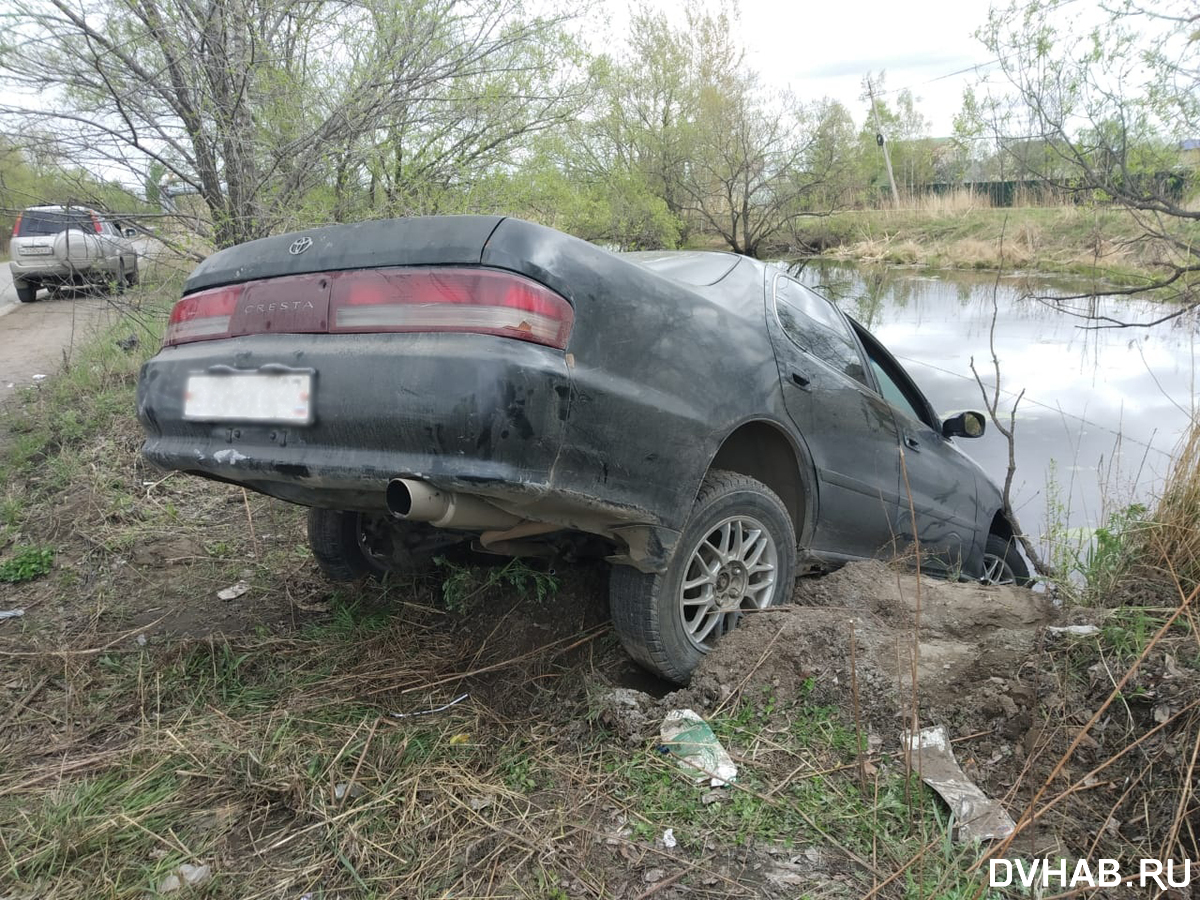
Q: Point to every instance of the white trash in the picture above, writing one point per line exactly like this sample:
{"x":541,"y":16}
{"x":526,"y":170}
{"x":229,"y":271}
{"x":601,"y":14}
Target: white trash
{"x":687,"y":737}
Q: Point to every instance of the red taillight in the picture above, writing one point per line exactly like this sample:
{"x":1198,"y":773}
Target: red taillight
{"x":202,"y":317}
{"x":17,"y":226}
{"x":480,"y":301}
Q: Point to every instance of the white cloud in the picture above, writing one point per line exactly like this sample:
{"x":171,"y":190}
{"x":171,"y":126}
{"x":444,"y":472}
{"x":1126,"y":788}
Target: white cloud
{"x":825,"y":49}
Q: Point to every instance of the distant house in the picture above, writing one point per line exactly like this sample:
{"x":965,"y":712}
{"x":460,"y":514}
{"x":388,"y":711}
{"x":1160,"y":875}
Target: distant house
{"x":1189,"y":153}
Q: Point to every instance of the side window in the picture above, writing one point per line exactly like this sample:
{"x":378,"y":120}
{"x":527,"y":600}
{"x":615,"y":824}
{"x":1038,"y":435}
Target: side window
{"x":896,"y":388}
{"x":892,"y":392}
{"x":815,"y":326}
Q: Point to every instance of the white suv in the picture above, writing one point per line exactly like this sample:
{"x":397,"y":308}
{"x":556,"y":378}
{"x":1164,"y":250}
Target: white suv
{"x":69,"y":245}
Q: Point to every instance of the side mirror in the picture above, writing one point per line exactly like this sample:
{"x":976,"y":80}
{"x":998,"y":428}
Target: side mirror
{"x":965,"y":424}
{"x":130,"y":232}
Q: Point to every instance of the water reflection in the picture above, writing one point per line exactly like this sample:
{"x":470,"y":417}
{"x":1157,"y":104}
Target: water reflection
{"x":1102,"y":409}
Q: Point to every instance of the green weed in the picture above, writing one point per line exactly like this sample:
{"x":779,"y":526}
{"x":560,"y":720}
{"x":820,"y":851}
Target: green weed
{"x":26,"y":564}
{"x":1091,"y":561}
{"x":463,"y":586}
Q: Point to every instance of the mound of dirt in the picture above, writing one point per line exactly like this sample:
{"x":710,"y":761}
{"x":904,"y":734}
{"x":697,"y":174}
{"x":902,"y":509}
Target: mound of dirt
{"x":854,"y":638}
{"x":964,"y":641}
{"x":1033,"y":710}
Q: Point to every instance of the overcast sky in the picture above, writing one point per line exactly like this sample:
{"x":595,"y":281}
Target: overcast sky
{"x":824,"y":49}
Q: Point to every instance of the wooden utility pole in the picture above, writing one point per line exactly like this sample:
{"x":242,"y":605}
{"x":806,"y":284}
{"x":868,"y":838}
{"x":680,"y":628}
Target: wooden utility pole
{"x":879,"y":139}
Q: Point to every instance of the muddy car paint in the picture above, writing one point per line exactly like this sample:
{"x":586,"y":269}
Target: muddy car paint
{"x":661,"y":380}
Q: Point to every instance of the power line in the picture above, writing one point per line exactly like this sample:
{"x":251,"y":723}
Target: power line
{"x":1027,"y":399}
{"x":972,"y":68}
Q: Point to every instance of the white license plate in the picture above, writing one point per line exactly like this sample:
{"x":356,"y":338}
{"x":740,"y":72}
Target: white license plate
{"x":35,"y":251}
{"x":252,"y":397}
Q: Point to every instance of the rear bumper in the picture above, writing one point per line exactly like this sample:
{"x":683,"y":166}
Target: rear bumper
{"x":464,"y":412}
{"x":47,"y":269}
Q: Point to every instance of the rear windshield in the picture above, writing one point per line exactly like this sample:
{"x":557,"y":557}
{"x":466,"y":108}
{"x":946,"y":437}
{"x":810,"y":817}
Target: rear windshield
{"x":42,"y":221}
{"x":697,"y":268}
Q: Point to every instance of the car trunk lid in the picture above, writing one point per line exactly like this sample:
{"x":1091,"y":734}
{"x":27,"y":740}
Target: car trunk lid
{"x":436,"y":240}
{"x":296,"y":305}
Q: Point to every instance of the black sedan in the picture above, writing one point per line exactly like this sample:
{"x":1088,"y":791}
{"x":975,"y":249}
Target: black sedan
{"x":702,"y":419}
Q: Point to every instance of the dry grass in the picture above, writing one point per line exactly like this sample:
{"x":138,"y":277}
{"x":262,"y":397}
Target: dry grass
{"x":960,"y":200}
{"x":1172,"y":538}
{"x":1099,"y":243}
{"x":1130,"y":762}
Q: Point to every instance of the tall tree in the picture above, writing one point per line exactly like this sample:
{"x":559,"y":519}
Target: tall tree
{"x":683,"y":116}
{"x":254,"y":103}
{"x":751,"y":168}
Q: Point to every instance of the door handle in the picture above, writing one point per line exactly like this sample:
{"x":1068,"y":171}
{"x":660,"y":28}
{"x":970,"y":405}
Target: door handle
{"x":912,"y":443}
{"x":800,"y":380}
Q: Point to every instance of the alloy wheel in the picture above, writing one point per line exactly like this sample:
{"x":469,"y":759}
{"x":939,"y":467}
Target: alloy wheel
{"x":731,"y":570}
{"x":996,"y":570}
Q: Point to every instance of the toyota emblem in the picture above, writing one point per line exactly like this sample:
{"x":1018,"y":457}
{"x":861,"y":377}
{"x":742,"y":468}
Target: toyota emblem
{"x":300,"y":245}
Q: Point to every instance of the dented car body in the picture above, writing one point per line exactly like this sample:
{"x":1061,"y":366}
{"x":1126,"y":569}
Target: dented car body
{"x":501,"y":380}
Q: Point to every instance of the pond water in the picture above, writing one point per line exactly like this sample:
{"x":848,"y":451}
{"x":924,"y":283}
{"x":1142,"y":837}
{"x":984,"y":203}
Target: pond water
{"x":1102,"y":409}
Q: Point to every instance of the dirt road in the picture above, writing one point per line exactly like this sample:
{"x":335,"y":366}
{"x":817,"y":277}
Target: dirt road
{"x":36,"y":337}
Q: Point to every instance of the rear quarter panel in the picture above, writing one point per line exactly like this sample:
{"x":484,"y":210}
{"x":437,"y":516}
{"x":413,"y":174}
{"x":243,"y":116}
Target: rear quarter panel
{"x":661,"y":373}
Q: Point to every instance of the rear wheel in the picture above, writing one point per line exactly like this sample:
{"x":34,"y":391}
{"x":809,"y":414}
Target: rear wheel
{"x":1003,"y":563}
{"x":352,"y":545}
{"x":26,"y":293}
{"x":737,"y":553}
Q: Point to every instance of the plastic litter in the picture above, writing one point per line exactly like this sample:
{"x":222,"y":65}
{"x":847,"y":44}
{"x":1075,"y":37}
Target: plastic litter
{"x":687,"y":737}
{"x":192,"y":876}
{"x":11,"y":613}
{"x":234,"y":591}
{"x":976,"y":816}
{"x":1082,"y":630}
{"x":668,"y":839}
{"x":428,"y":712}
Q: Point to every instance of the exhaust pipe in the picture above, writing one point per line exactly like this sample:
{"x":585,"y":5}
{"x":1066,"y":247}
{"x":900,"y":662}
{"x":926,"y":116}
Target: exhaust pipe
{"x":417,"y":501}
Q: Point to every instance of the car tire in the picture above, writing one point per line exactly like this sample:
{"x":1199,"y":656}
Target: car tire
{"x":668,"y":621}
{"x":1003,"y":563}
{"x":26,"y":293}
{"x":340,"y":541}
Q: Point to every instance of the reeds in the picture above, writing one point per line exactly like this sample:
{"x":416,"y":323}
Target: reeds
{"x":1170,"y":542}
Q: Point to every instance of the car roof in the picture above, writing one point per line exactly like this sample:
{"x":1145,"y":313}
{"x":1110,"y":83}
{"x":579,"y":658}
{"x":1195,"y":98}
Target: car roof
{"x":86,"y":209}
{"x":698,"y":268}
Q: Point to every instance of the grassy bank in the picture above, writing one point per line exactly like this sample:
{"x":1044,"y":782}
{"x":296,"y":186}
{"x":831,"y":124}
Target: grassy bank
{"x":1101,"y":243}
{"x":305,"y":739}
